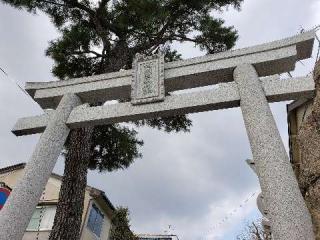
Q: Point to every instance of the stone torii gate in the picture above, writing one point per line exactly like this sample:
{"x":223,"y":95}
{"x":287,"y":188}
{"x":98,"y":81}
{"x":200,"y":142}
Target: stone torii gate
{"x":245,"y":78}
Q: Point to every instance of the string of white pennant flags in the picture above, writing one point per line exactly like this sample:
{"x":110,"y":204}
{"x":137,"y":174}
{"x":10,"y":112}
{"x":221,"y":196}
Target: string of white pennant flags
{"x":229,"y":215}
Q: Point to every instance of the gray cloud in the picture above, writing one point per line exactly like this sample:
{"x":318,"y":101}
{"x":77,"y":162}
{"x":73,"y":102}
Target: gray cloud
{"x":189,"y":180}
{"x":181,"y":175}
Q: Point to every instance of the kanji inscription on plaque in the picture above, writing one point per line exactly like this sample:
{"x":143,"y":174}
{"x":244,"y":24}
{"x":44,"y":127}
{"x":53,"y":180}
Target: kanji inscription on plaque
{"x":148,"y":79}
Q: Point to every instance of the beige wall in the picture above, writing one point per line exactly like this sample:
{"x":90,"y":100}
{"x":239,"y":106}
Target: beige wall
{"x":11,"y":178}
{"x":51,"y":191}
{"x":295,"y":119}
{"x":302,"y":112}
{"x":51,"y":195}
{"x":43,"y":235}
{"x":87,"y":234}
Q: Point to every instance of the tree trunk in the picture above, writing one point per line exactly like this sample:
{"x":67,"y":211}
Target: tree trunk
{"x":309,"y":166}
{"x":68,"y":217}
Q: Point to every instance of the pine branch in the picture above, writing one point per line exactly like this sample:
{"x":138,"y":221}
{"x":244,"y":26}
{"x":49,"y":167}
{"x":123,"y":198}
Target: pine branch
{"x":184,"y":38}
{"x":87,"y":52}
{"x":53,"y":3}
{"x":76,"y":4}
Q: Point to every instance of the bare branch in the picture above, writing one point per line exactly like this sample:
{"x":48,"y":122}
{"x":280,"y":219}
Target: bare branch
{"x":87,"y":52}
{"x":53,"y":3}
{"x":76,"y":4}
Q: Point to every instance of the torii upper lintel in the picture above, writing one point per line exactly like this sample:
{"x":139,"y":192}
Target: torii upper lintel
{"x":268,"y":59}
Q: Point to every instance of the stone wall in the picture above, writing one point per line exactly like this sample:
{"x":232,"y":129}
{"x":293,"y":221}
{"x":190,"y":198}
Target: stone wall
{"x":308,"y":168}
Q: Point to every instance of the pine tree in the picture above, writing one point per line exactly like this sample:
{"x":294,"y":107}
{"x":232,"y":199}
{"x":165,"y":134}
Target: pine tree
{"x":104,"y":36}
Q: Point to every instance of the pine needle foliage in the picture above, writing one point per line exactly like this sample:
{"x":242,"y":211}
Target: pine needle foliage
{"x":103,"y":36}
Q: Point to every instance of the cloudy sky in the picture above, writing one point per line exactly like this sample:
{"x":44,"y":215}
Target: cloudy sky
{"x":195,"y":182}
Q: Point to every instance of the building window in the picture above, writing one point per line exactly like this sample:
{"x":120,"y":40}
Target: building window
{"x":95,"y":220}
{"x":42,"y":218}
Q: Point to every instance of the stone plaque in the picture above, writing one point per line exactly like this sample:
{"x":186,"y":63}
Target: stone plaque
{"x":148,"y":79}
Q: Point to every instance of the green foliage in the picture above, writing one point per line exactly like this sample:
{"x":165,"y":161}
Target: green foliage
{"x":118,"y":150}
{"x":120,"y":226}
{"x":104,"y":36}
{"x":170,"y":124}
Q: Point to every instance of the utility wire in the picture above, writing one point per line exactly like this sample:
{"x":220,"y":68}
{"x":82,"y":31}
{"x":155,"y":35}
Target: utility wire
{"x":316,"y":29}
{"x":4,"y":71}
{"x":16,"y":83}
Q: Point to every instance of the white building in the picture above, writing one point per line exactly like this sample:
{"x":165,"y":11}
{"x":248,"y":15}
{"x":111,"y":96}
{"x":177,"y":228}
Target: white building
{"x":157,"y":237}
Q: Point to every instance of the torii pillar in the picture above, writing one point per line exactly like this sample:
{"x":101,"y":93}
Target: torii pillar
{"x":276,"y":176}
{"x":16,"y":213}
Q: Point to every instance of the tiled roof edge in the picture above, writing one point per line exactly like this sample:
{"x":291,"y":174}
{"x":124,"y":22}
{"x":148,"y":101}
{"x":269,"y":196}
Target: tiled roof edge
{"x":12,"y":168}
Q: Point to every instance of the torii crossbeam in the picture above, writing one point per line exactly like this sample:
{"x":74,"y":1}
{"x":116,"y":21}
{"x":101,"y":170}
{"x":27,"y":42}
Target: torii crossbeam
{"x":246,"y":78}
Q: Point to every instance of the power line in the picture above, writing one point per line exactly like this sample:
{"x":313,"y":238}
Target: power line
{"x":4,"y":71}
{"x":16,"y":83}
{"x":316,"y":29}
